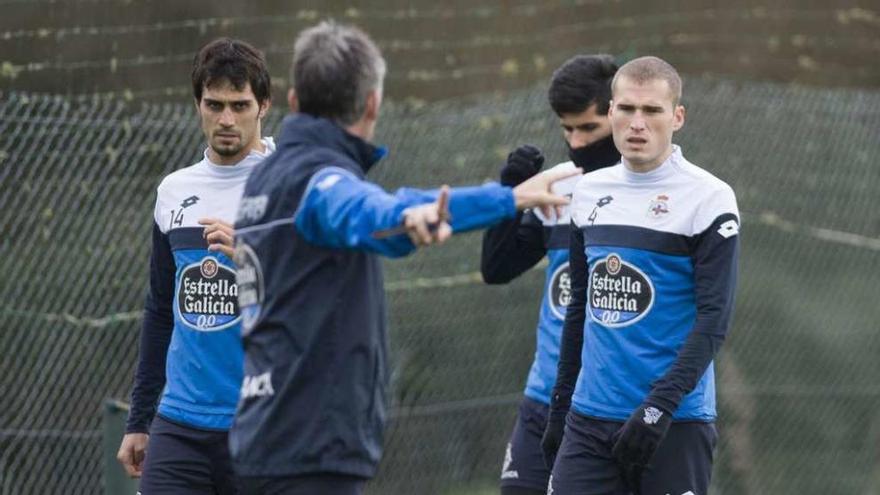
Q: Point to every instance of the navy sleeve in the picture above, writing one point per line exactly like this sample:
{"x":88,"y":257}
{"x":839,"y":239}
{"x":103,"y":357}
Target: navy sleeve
{"x":715,"y":263}
{"x":512,"y":247}
{"x":572,"y":342}
{"x":149,"y":379}
{"x":339,"y":210}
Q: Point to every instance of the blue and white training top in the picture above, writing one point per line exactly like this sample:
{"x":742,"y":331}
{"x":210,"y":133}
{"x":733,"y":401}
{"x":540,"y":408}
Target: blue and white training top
{"x":557,"y":293}
{"x":514,"y":246}
{"x":192,"y":310}
{"x":655,"y":258}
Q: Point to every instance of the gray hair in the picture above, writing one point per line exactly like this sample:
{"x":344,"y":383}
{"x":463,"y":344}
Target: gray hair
{"x":335,"y":67}
{"x":646,"y":69}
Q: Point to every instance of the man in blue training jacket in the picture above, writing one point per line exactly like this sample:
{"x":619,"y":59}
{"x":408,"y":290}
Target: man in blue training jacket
{"x":190,"y":345}
{"x":309,"y":232}
{"x":579,"y":94}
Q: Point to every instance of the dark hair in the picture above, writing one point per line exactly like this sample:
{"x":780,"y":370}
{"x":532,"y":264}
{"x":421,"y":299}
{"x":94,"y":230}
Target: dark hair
{"x":580,"y":82}
{"x":231,"y":60}
{"x":335,"y":67}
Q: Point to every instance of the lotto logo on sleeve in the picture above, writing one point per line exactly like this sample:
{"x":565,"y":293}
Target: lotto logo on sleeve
{"x":729,"y":229}
{"x":207,"y":296}
{"x":620,"y":293}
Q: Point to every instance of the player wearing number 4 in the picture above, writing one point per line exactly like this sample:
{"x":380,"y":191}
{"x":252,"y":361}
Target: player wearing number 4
{"x":190,"y":340}
{"x":579,"y":93}
{"x":653,"y":266}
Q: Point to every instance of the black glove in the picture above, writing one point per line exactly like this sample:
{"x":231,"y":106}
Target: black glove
{"x":637,"y":440}
{"x":522,"y":164}
{"x":552,"y":438}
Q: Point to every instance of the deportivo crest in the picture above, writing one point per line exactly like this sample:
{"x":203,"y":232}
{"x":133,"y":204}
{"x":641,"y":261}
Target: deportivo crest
{"x":207,"y":296}
{"x":659,"y":206}
{"x":559,"y":290}
{"x":620,"y":293}
{"x":209,"y":268}
{"x":250,"y":283}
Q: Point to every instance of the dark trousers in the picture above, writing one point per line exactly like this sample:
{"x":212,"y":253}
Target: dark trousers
{"x":524,"y":465}
{"x":682,"y":464}
{"x":323,"y":484}
{"x":187,"y":461}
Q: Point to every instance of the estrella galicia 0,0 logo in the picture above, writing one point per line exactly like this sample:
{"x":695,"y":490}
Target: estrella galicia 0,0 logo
{"x":207,"y":297}
{"x":559,"y":291}
{"x":620,"y":294}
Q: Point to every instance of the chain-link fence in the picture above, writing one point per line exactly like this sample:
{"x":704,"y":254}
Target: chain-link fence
{"x":798,"y":389}
{"x":143,"y":49}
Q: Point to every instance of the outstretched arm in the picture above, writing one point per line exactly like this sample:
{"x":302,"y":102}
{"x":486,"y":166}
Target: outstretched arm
{"x":339,"y":210}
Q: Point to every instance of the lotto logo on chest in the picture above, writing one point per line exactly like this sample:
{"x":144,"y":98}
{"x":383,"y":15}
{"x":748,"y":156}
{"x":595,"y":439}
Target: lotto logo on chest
{"x":620,"y":293}
{"x":207,"y":296}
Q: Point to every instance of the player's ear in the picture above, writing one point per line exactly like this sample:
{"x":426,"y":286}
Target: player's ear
{"x":610,"y":107}
{"x":678,"y":115}
{"x":292,"y":101}
{"x":264,"y":107}
{"x":374,"y":101}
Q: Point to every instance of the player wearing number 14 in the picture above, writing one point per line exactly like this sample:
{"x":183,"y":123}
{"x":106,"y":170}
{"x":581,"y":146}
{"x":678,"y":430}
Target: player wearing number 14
{"x":190,"y":340}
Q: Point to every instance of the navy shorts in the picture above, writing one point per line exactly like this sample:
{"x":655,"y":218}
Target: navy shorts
{"x":187,"y":461}
{"x":323,"y":484}
{"x":524,"y":465}
{"x":682,"y":464}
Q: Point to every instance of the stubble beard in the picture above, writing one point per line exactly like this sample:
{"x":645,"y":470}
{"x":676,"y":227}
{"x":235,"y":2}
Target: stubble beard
{"x":230,"y":150}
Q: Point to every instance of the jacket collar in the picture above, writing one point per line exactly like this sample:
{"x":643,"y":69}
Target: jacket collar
{"x":301,"y":128}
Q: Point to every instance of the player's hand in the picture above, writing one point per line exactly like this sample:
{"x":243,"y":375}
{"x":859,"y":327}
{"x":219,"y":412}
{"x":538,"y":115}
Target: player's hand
{"x":536,"y":191}
{"x":552,"y":438}
{"x":637,"y":441}
{"x":429,"y":223}
{"x":219,"y":234}
{"x":522,"y":164}
{"x":131,"y":453}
